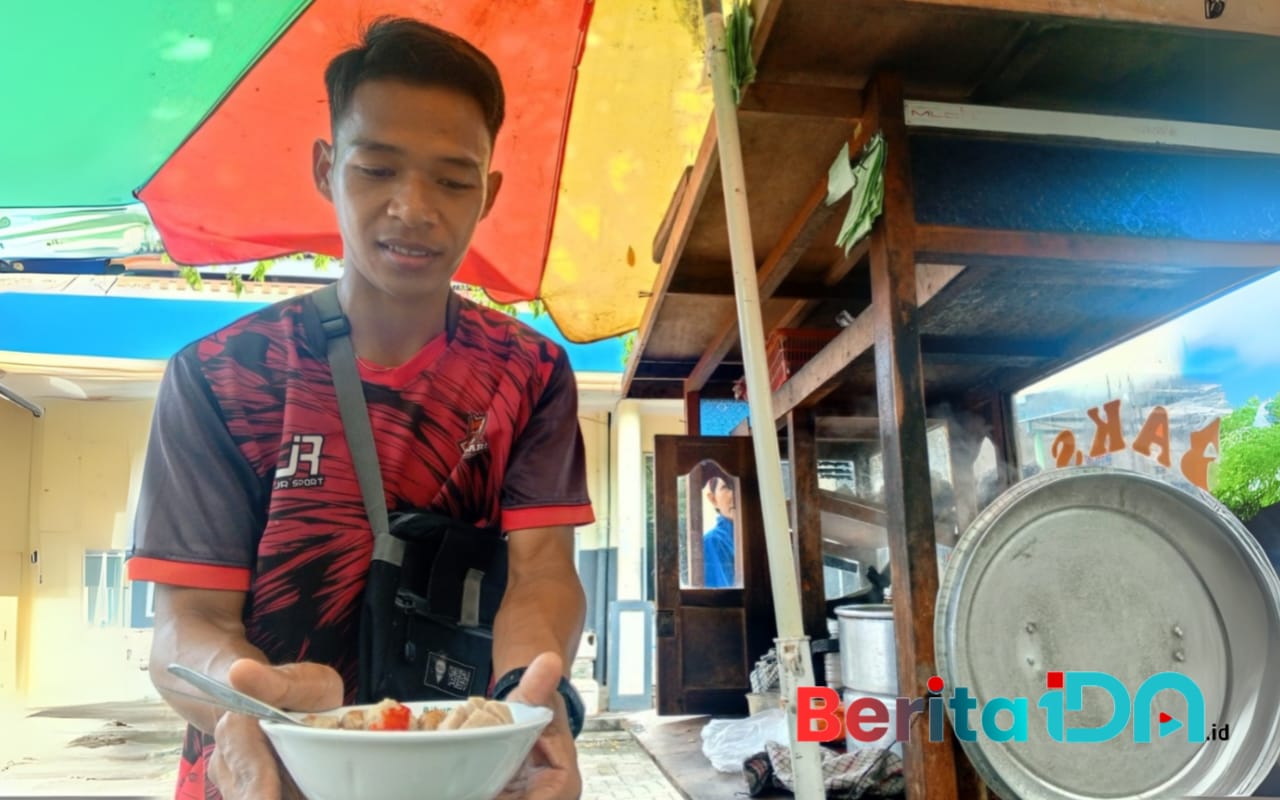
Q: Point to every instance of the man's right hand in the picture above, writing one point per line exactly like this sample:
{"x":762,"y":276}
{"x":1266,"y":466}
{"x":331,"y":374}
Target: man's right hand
{"x":243,"y":765}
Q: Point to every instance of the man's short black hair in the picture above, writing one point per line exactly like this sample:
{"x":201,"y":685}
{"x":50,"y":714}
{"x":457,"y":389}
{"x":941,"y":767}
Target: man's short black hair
{"x":415,"y":52}
{"x":711,"y":471}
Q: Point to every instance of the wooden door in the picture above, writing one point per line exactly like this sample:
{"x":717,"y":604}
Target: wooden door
{"x":708,"y":638}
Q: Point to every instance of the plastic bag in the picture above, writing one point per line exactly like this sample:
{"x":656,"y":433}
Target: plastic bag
{"x":728,"y":742}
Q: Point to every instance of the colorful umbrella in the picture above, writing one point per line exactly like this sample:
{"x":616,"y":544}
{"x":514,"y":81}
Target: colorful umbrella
{"x":206,"y":110}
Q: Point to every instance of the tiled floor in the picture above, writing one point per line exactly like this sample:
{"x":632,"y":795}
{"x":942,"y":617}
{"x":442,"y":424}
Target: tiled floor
{"x":614,"y":765}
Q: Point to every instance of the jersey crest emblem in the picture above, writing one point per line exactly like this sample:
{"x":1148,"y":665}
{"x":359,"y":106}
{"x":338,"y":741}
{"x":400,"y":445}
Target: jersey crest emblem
{"x":474,"y":444}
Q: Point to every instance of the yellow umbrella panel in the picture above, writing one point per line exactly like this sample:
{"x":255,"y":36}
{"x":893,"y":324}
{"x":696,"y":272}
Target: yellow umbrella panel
{"x":640,"y":109}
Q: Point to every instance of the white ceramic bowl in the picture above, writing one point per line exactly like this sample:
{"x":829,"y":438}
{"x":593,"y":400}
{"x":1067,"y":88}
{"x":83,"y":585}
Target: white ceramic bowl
{"x":473,"y":764}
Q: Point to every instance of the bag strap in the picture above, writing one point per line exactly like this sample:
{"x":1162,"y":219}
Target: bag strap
{"x":355,"y":422}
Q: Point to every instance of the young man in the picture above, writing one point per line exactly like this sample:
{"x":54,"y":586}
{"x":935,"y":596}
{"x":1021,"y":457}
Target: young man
{"x":718,"y":565}
{"x":251,"y":520}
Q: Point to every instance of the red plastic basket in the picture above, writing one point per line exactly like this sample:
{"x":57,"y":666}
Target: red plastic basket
{"x":789,"y":349}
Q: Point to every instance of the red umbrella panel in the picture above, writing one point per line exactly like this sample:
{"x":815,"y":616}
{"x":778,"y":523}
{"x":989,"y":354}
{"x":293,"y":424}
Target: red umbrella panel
{"x":240,"y":187}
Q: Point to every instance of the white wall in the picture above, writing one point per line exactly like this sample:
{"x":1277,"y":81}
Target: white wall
{"x":16,"y":433}
{"x":635,"y":424}
{"x":85,"y":459}
{"x":596,"y":439}
{"x":660,"y":417}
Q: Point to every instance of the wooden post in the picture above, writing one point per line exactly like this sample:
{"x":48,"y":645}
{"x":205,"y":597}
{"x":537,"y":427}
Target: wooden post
{"x":862,"y":473}
{"x":806,"y":520}
{"x":929,"y":767}
{"x":964,"y":486}
{"x":964,"y":451}
{"x":693,"y":527}
{"x":693,"y":413}
{"x":998,"y":414}
{"x":1007,"y":443}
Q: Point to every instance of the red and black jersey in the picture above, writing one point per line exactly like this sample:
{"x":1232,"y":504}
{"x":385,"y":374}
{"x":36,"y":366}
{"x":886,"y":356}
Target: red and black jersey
{"x":249,"y":483}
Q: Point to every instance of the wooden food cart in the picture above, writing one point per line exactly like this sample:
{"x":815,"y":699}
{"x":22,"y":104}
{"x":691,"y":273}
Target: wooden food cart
{"x":1059,"y":176}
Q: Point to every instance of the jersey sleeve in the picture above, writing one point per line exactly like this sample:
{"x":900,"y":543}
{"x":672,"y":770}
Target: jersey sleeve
{"x":546,"y":477}
{"x":201,"y":507}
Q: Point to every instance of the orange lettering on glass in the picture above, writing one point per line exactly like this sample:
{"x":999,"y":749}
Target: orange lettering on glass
{"x":1155,"y":431}
{"x":1108,"y":437}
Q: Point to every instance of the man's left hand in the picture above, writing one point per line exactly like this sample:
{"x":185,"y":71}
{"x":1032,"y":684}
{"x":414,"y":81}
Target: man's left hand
{"x":551,"y":770}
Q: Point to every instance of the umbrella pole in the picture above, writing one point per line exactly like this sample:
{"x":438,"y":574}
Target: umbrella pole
{"x":795,"y":663}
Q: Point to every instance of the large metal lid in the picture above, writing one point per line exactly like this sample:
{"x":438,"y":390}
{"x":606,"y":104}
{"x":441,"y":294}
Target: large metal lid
{"x":1111,"y":571}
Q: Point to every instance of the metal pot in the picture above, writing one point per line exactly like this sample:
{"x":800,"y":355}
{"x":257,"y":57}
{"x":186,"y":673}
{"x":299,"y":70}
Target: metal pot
{"x":868,"y":654}
{"x":831,"y":661}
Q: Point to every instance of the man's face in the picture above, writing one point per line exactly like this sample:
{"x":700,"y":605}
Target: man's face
{"x":408,"y":175}
{"x":721,"y":496}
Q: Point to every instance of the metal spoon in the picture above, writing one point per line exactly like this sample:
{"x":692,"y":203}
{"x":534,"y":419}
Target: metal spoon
{"x":232,"y":699}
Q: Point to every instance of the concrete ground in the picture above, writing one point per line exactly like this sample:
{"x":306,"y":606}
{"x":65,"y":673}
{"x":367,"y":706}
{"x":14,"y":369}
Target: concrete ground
{"x":130,"y":750}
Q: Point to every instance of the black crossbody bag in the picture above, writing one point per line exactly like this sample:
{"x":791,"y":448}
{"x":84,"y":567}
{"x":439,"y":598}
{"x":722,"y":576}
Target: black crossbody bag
{"x":434,"y":584}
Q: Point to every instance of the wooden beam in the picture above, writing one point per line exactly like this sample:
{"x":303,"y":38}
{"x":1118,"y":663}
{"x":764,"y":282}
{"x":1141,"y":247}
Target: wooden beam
{"x":991,"y":247}
{"x":806,"y":521}
{"x":662,"y":370}
{"x":851,"y":549}
{"x":802,"y":99}
{"x":704,"y":168}
{"x":795,"y":240}
{"x":1258,"y":17}
{"x":765,"y":13}
{"x":707,"y":280}
{"x":833,"y":503}
{"x":928,"y":767}
{"x":991,"y":350}
{"x":798,"y":310}
{"x":843,"y":265}
{"x":849,"y":429}
{"x":642,"y":389}
{"x":793,"y":315}
{"x":820,"y":376}
{"x":855,"y":429}
{"x":663,"y":235}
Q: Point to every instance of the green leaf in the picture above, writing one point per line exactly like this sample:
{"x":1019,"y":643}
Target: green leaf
{"x":237,"y":283}
{"x":260,"y":270}
{"x":1247,"y":474}
{"x":742,"y":66}
{"x":628,"y":344}
{"x":192,"y":276}
{"x":1239,"y":419}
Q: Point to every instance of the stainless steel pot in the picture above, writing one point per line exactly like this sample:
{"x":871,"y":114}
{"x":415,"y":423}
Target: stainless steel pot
{"x":868,"y":655}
